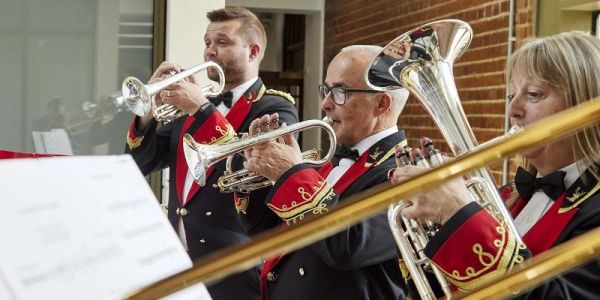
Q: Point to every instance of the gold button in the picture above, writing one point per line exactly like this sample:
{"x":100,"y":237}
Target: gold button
{"x":271,"y":276}
{"x":183,"y":212}
{"x":301,"y":271}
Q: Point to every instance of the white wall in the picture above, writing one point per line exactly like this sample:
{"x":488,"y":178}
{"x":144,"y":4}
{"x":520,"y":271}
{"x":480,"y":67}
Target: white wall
{"x":313,"y":51}
{"x":107,"y":50}
{"x":186,"y":25}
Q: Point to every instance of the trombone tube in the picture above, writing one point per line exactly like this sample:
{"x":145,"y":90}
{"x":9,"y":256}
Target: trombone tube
{"x":367,"y":204}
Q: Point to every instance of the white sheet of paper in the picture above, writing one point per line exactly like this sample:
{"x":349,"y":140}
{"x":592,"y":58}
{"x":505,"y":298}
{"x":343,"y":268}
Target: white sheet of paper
{"x":55,"y":141}
{"x":82,"y":228}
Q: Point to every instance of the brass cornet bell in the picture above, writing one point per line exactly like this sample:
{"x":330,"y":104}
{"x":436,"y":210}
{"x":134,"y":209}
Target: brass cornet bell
{"x":140,"y":98}
{"x":200,"y":157}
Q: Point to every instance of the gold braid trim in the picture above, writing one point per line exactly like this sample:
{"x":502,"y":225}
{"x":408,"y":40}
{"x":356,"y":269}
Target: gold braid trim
{"x":579,"y":201}
{"x":390,"y":153}
{"x":261,"y":92}
{"x":314,"y":203}
{"x":504,"y":260}
{"x":284,"y":95}
{"x":227,"y":134}
{"x":134,"y":143}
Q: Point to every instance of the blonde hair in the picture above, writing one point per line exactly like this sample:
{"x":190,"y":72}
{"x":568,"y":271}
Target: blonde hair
{"x":570,"y":63}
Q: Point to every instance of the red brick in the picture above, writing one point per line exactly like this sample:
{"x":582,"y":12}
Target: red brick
{"x":478,"y":73}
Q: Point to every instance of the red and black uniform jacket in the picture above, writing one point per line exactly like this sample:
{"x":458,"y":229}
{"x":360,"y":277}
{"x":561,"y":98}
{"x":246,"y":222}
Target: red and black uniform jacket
{"x":473,"y":248}
{"x":211,"y":219}
{"x":360,"y":262}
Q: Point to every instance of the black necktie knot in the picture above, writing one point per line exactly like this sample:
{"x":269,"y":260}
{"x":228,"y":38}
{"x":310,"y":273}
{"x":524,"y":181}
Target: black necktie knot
{"x":552,"y":184}
{"x":225,"y":98}
{"x":344,"y":152}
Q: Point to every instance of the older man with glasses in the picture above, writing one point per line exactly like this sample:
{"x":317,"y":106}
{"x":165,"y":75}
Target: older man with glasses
{"x":360,"y":262}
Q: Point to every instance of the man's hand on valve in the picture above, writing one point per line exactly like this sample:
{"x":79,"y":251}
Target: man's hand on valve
{"x":185,"y":94}
{"x":273,"y":158}
{"x":437,"y":204}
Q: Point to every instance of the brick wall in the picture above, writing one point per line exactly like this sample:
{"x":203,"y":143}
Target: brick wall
{"x":478,"y":73}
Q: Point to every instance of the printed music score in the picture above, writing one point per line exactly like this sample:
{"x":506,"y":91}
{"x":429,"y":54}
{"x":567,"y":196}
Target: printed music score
{"x":83,"y":228}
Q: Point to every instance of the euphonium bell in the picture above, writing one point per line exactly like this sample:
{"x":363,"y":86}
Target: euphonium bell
{"x":140,"y":98}
{"x":421,"y":61}
{"x":201,"y":157}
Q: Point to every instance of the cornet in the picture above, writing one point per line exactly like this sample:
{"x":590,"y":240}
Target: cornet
{"x":140,"y":98}
{"x":245,"y":181}
{"x":200,"y":157}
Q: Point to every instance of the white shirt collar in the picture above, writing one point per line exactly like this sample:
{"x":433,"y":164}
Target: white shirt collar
{"x":239,"y":90}
{"x":366,"y":143}
{"x":572,"y":174}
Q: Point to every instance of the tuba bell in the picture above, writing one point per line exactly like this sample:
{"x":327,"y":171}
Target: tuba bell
{"x":140,"y":98}
{"x":421,"y":61}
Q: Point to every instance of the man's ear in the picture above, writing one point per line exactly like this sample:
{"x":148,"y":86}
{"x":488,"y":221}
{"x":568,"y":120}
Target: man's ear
{"x":255,"y":50}
{"x":384,"y":103}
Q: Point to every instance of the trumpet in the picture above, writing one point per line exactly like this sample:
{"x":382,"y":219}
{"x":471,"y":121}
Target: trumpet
{"x":140,"y":98}
{"x":201,"y":157}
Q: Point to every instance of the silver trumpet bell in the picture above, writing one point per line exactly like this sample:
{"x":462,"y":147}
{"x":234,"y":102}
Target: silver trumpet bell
{"x":421,"y":61}
{"x":140,"y":98}
{"x":201,"y":157}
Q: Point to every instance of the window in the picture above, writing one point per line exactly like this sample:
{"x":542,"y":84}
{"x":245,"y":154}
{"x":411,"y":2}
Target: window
{"x":63,"y":64}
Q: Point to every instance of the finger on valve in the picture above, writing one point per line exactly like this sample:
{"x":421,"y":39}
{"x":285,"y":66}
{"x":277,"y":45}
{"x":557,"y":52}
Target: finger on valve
{"x":254,"y":127}
{"x":418,"y":158}
{"x":399,"y":152}
{"x":434,"y":155}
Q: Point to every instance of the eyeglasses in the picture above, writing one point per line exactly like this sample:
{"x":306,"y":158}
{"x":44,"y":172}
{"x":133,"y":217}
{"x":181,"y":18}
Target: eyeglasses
{"x":339,"y":93}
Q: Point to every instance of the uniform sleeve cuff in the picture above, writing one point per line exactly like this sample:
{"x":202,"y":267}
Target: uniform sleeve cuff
{"x":287,"y":174}
{"x":450,"y":227}
{"x":205,"y":113}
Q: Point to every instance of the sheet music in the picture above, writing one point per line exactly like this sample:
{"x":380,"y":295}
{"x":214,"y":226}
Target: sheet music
{"x":55,"y":141}
{"x":82,"y":228}
{"x":5,"y":292}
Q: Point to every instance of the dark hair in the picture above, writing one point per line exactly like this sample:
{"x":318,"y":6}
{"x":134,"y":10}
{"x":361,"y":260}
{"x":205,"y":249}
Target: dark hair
{"x":251,"y":28}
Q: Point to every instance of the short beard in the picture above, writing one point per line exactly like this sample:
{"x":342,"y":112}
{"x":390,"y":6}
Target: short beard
{"x":233,"y":74}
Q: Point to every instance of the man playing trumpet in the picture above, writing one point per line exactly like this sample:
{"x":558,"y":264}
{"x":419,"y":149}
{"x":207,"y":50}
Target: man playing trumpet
{"x":361,"y":261}
{"x":205,"y":219}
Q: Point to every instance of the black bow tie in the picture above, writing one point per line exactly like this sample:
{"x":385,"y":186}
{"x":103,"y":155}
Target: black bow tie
{"x":226,"y":98}
{"x":344,"y":152}
{"x":552,"y":184}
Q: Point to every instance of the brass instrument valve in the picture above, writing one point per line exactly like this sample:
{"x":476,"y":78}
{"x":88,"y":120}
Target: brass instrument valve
{"x":418,"y":158}
{"x":402,"y":154}
{"x":434,"y":155}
